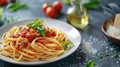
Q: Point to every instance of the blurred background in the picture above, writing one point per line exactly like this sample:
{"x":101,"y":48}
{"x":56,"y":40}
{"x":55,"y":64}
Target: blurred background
{"x":104,"y":52}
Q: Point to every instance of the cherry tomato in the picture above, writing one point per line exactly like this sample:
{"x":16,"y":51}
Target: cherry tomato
{"x":57,"y":5}
{"x":51,"y":12}
{"x":3,"y":2}
{"x":44,"y":7}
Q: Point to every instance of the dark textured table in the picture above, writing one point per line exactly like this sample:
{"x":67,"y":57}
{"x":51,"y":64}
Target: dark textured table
{"x":100,"y":49}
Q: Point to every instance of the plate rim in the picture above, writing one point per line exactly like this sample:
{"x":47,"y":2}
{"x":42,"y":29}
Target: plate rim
{"x":54,"y":60}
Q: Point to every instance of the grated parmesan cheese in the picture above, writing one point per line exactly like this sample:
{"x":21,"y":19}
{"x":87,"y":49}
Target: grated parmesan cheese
{"x":117,"y":21}
{"x":113,"y":31}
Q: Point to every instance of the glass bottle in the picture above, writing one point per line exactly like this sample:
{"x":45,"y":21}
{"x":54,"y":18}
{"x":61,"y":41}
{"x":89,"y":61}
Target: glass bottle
{"x":77,"y":15}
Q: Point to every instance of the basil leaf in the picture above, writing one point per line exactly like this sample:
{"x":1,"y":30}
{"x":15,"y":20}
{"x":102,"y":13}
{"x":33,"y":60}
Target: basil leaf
{"x":12,"y":5}
{"x":92,"y":4}
{"x":41,"y":30}
{"x":67,"y":44}
{"x":90,"y":63}
{"x":39,"y":22}
{"x":29,"y":24}
{"x":16,"y":6}
{"x":1,"y":11}
{"x":24,"y":6}
{"x":34,"y":26}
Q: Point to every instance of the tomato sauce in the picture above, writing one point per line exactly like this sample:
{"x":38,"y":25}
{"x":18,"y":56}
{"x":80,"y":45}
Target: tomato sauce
{"x":30,"y":34}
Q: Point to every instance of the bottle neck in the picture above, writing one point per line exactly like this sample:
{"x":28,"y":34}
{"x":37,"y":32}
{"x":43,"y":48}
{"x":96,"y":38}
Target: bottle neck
{"x":80,"y":10}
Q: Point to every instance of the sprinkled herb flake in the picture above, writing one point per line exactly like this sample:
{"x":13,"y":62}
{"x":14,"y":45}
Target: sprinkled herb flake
{"x":104,"y":55}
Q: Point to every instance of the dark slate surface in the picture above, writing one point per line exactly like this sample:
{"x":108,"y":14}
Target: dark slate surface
{"x":99,"y":44}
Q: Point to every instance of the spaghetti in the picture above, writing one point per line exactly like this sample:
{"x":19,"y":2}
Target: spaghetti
{"x":27,"y":44}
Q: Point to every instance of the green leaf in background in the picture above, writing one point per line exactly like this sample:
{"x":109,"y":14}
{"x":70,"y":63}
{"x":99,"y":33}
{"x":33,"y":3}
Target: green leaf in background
{"x":1,"y":11}
{"x":16,"y":6}
{"x":9,"y":19}
{"x":67,"y":2}
{"x":24,"y":6}
{"x":90,"y":63}
{"x":13,"y":5}
{"x":92,"y":4}
{"x":6,"y":20}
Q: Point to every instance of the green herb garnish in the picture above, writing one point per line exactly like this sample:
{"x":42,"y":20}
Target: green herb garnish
{"x":16,"y":6}
{"x":41,"y":30}
{"x":90,"y":63}
{"x":37,"y":24}
{"x":67,"y":44}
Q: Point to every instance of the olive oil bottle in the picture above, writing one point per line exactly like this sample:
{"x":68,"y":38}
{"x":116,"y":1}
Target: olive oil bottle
{"x":77,"y":15}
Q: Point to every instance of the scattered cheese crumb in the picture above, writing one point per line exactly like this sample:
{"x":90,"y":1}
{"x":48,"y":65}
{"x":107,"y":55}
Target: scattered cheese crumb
{"x":88,"y":48}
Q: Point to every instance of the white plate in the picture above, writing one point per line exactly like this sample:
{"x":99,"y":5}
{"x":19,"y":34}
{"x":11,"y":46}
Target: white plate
{"x":70,"y":31}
